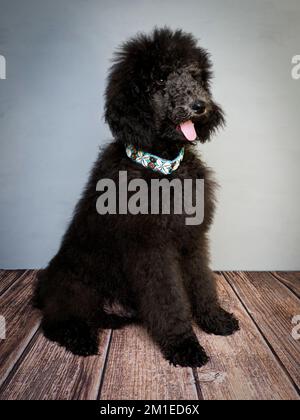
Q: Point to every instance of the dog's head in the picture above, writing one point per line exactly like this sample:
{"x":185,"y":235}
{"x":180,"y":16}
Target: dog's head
{"x":159,"y":90}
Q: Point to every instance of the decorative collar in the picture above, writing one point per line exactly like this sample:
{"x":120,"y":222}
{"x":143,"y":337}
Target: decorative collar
{"x":157,"y":164}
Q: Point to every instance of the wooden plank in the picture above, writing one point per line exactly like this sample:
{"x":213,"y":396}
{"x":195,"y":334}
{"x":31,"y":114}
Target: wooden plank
{"x":21,"y":322}
{"x":48,"y":372}
{"x":242,"y":366}
{"x":272,"y":306}
{"x":8,"y":277}
{"x":137,"y":370}
{"x":290,"y":279}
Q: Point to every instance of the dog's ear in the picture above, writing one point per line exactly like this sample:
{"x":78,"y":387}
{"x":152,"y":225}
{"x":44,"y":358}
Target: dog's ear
{"x":129,"y":113}
{"x":216,"y":120}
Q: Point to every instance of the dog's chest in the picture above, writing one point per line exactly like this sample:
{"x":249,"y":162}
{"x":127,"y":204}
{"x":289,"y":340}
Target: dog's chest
{"x":184,"y":201}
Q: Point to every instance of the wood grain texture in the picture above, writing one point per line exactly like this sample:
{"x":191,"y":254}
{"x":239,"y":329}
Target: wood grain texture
{"x":242,"y":367}
{"x":8,"y":277}
{"x":21,"y":322}
{"x":290,"y":279}
{"x":48,"y":372}
{"x":137,"y":370}
{"x":260,"y":362}
{"x":272,"y":306}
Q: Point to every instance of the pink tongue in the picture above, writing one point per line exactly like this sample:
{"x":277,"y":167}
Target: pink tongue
{"x":188,"y":130}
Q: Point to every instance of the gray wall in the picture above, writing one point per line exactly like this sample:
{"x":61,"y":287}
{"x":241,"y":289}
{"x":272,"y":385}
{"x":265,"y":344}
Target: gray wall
{"x":51,"y":105}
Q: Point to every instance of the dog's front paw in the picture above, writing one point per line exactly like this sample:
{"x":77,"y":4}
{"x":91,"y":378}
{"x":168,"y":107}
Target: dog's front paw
{"x":187,"y":353}
{"x":218,"y":322}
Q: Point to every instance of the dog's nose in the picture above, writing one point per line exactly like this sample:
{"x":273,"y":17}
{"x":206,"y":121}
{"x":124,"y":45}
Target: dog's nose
{"x":199,"y":107}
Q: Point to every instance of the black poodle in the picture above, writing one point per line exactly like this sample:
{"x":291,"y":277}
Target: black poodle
{"x":115,"y":269}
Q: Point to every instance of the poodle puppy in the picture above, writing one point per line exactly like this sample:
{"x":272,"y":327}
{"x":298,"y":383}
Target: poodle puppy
{"x":116,"y":269}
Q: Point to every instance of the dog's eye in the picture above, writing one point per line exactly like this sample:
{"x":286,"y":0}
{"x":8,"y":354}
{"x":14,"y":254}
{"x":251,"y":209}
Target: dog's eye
{"x":160,"y":82}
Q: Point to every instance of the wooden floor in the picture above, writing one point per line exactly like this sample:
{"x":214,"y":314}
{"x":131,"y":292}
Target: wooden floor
{"x":260,"y":362}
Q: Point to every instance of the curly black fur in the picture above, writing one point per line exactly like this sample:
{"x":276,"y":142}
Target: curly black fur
{"x":115,"y":269}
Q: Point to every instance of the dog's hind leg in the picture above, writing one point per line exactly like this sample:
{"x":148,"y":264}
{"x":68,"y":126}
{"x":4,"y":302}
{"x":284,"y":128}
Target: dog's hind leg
{"x":163,"y":305}
{"x":69,"y":307}
{"x":75,"y":334}
{"x":81,"y":336}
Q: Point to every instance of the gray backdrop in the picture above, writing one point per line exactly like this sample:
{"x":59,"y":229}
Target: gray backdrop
{"x":51,"y":122}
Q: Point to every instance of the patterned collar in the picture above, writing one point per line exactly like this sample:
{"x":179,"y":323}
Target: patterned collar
{"x":157,"y":164}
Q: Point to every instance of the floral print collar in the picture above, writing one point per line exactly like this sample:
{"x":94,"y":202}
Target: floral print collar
{"x":157,"y":164}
